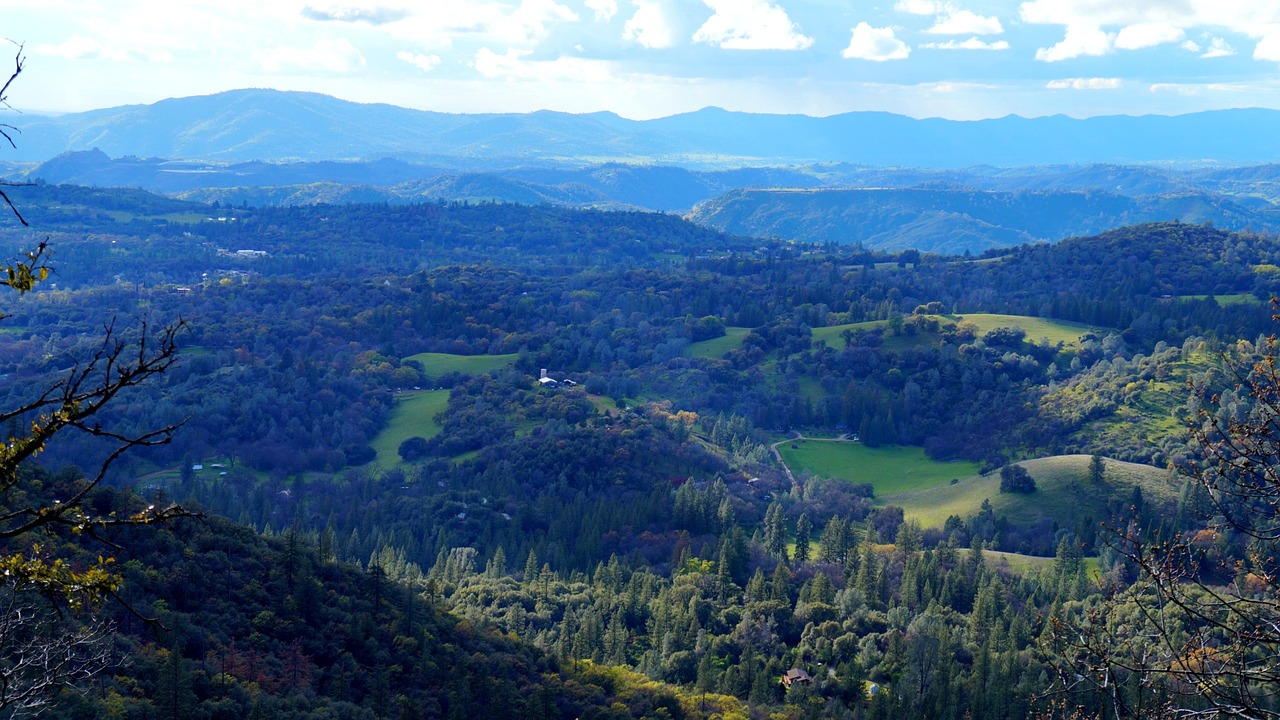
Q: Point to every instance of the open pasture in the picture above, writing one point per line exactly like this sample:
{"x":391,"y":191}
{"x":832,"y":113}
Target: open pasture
{"x":890,"y":470}
{"x":414,"y":415}
{"x":437,"y":364}
{"x":717,"y":347}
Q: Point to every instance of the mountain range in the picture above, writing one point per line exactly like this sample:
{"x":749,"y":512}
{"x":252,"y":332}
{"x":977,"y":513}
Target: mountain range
{"x":272,"y":125}
{"x":873,"y":179}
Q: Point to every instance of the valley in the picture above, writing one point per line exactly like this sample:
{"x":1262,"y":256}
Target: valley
{"x":367,"y":382}
{"x":606,"y":432}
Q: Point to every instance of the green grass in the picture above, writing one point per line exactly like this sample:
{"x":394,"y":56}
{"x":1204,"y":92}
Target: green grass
{"x":890,"y":470}
{"x":1068,"y":333}
{"x":717,"y":347}
{"x":437,"y":364}
{"x":1056,"y":331}
{"x":1063,"y":492}
{"x":1239,"y":299}
{"x":831,"y":334}
{"x":414,"y":415}
{"x":185,"y":218}
{"x":1017,"y":563}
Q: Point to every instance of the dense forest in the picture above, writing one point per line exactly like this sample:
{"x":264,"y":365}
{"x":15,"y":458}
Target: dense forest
{"x":621,"y":538}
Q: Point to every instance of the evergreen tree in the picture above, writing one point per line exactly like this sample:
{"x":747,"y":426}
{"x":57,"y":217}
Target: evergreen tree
{"x":803,"y":530}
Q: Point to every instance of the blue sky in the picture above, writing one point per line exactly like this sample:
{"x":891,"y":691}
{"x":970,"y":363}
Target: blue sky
{"x":647,"y":58}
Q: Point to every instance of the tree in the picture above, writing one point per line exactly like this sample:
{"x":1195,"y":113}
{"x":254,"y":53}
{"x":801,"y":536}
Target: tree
{"x":415,"y":448}
{"x":1016,"y":479}
{"x":1198,"y":634}
{"x":804,"y":530}
{"x":46,"y":640}
{"x":1097,"y":469}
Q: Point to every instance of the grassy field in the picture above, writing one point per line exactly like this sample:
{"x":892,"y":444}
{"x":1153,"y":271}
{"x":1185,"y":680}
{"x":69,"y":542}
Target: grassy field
{"x":414,"y":415}
{"x":1062,"y":331}
{"x":905,"y":477}
{"x":831,"y":336}
{"x":1224,"y":300}
{"x":1031,"y":563}
{"x":437,"y":364}
{"x":890,"y":470}
{"x":1063,"y":492}
{"x":185,"y":218}
{"x":717,"y":347}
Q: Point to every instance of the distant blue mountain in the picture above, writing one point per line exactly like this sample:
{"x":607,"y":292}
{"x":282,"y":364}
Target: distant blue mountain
{"x":270,"y":125}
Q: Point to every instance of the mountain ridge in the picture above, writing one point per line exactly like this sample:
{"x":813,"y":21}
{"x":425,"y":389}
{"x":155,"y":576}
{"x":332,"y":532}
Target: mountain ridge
{"x":262,"y":124}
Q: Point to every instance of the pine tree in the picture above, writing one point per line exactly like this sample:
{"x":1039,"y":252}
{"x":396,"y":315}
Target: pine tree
{"x":497,"y":566}
{"x":531,"y":568}
{"x":803,"y":530}
{"x":775,"y":532}
{"x":174,"y":697}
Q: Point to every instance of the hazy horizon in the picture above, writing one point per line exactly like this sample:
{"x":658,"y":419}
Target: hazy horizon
{"x":641,"y":59}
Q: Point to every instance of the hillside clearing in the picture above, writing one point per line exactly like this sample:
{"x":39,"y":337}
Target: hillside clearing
{"x":1063,"y":493}
{"x":717,"y":347}
{"x":414,"y":415}
{"x":889,"y":470}
{"x":437,"y":364}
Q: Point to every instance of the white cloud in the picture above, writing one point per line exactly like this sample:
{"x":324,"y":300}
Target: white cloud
{"x":79,"y":47}
{"x":372,"y":14}
{"x":425,"y":63}
{"x":750,"y":25}
{"x":878,"y":44}
{"x":1085,"y":84}
{"x":513,"y":65}
{"x":335,"y":55}
{"x":1140,"y":24}
{"x":603,"y":9}
{"x":1268,"y":48}
{"x":964,"y":22}
{"x":1187,"y":89}
{"x":524,"y":24}
{"x":972,"y":43}
{"x":1218,"y":48}
{"x":529,"y":21}
{"x":919,"y":7}
{"x":1080,"y":41}
{"x":1145,"y":35}
{"x":1190,"y":46}
{"x":650,"y":27}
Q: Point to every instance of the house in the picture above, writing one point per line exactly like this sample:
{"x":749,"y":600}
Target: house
{"x":796,"y":676}
{"x":545,"y":381}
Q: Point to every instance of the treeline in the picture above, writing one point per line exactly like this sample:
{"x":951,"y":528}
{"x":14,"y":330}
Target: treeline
{"x":214,"y":621}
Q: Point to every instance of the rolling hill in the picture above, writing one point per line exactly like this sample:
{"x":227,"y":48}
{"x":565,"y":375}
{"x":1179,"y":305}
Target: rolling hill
{"x":956,"y":220}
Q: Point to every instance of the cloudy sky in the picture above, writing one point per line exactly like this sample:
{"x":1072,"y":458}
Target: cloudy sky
{"x":960,"y":59}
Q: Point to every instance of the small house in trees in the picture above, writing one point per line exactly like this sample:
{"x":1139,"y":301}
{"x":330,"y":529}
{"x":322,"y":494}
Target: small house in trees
{"x":796,"y":676}
{"x":546,"y":381}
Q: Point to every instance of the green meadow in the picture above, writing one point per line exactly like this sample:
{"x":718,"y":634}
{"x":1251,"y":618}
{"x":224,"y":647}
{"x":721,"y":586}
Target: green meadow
{"x":185,"y":218}
{"x":1063,"y":492}
{"x":890,"y":470}
{"x":414,"y":415}
{"x":1238,"y":299}
{"x":717,"y":347}
{"x":437,"y":364}
{"x":1068,"y":333}
{"x":923,"y":488}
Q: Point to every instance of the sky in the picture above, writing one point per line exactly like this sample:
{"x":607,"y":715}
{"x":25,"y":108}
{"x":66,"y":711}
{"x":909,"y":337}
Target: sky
{"x":966,"y":59}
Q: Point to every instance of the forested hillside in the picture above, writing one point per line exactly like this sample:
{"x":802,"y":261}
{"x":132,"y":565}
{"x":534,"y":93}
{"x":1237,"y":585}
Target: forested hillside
{"x":899,"y":473}
{"x":956,"y":220}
